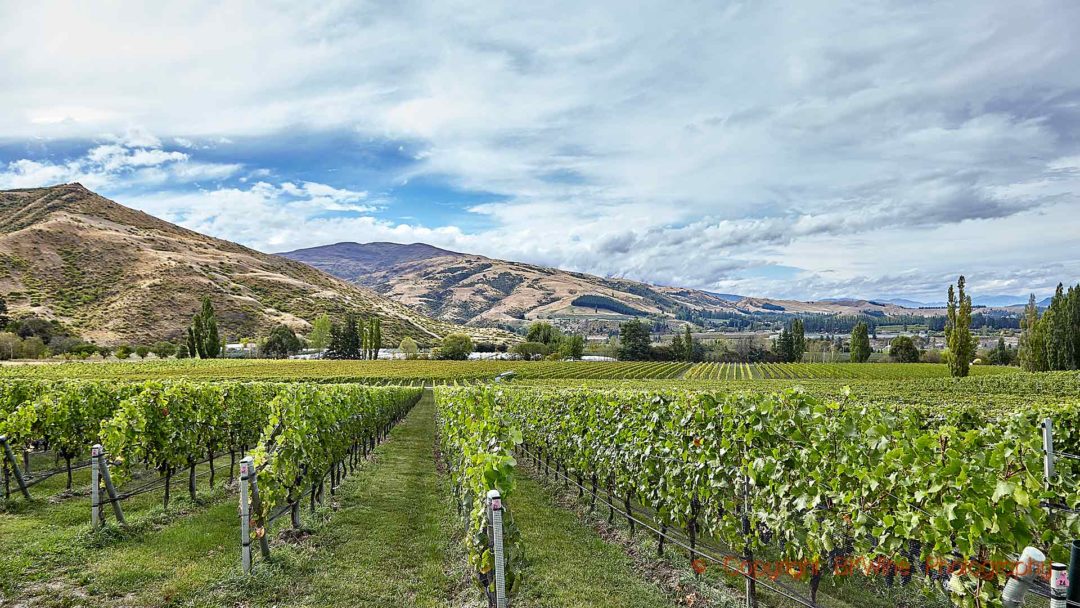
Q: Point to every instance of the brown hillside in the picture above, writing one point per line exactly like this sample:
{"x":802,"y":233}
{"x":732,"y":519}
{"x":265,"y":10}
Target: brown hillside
{"x":118,"y":275}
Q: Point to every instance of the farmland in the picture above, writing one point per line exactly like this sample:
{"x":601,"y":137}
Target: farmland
{"x":824,"y":460}
{"x":451,"y":371}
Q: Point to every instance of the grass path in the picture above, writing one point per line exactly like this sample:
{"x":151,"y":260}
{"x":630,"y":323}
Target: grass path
{"x":387,"y":545}
{"x":569,"y":564}
{"x":384,"y":546}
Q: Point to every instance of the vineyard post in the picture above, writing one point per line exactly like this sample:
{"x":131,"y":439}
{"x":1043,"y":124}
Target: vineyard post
{"x":103,"y":461}
{"x":9,"y":457}
{"x":245,"y":515}
{"x":495,"y":517}
{"x":256,"y":503}
{"x":1048,"y":450}
{"x":95,"y":486}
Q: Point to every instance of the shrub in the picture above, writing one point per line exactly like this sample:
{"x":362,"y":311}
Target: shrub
{"x":455,"y":347}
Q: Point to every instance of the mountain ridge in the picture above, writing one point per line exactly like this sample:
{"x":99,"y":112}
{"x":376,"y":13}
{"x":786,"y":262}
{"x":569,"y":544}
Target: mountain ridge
{"x":477,"y":290}
{"x":118,"y":275}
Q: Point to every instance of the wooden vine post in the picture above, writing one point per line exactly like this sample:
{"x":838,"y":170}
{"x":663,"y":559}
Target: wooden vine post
{"x":10,"y":462}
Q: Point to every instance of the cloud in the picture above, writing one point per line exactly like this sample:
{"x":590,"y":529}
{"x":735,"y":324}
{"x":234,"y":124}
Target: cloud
{"x":679,"y":144}
{"x":117,"y":164}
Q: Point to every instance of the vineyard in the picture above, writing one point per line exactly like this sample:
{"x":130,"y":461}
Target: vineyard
{"x":713,"y":464}
{"x":791,"y":476}
{"x":442,"y":372}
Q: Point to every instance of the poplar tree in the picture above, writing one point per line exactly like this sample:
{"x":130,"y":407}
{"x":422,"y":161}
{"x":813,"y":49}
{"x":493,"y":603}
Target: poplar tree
{"x":376,"y":337}
{"x":1032,"y":350}
{"x":798,"y":334}
{"x":958,"y":330}
{"x":688,"y":346}
{"x":860,"y":343}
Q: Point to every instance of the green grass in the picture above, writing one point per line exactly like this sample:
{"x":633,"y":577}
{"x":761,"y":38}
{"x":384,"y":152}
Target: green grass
{"x":51,"y":533}
{"x":569,"y":564}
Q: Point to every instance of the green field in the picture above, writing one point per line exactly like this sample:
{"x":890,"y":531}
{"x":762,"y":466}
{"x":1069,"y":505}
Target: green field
{"x":883,"y":446}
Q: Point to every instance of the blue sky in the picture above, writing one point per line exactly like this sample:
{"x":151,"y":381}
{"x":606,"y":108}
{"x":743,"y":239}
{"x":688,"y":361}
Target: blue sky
{"x":805,"y":150}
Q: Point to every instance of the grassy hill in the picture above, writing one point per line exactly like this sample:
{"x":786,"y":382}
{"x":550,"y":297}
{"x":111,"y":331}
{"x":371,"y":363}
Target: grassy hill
{"x":118,"y":275}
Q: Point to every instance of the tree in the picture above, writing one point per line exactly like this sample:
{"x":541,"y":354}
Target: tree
{"x":690,"y":346}
{"x":181,"y":352}
{"x":455,"y":347}
{"x":902,"y":349}
{"x":192,"y":347}
{"x":409,"y":347}
{"x":785,"y":346}
{"x":798,"y":335}
{"x":142,"y":351}
{"x":678,"y":350}
{"x":123,"y":352}
{"x":10,"y":346}
{"x":346,"y":341}
{"x":1001,"y":354}
{"x":33,"y":348}
{"x":36,"y":326}
{"x":634,"y":341}
{"x":4,"y":318}
{"x":545,"y":333}
{"x":1052,"y":341}
{"x":860,"y":343}
{"x":203,"y":337}
{"x":319,"y":338}
{"x":1059,"y":332}
{"x":163,"y":350}
{"x":531,"y":350}
{"x":572,"y":346}
{"x":958,"y":330}
{"x":374,"y":337}
{"x":281,"y":343}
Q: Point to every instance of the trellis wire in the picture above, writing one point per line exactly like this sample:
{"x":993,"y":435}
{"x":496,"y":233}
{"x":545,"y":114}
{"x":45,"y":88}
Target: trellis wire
{"x":775,"y":587}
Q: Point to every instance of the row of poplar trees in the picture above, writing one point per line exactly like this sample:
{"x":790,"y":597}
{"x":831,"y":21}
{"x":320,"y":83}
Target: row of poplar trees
{"x":355,"y":339}
{"x":1051,"y":341}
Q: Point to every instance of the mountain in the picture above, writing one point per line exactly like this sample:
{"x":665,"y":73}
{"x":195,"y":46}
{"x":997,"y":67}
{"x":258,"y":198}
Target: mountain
{"x":117,"y":275}
{"x":353,"y":261}
{"x":908,"y":303}
{"x":999,"y":301}
{"x":481,"y":291}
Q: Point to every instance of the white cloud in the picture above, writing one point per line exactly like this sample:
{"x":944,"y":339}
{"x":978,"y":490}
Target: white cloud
{"x":676,"y":143}
{"x":286,"y":216}
{"x":114,"y":165}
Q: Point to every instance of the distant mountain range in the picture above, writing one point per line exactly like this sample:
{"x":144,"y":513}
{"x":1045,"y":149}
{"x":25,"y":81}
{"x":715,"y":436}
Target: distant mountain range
{"x":117,"y":275}
{"x":990,"y":301}
{"x":479,"y":291}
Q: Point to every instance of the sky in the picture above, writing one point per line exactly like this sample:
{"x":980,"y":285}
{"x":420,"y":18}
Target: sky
{"x":786,"y":149}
